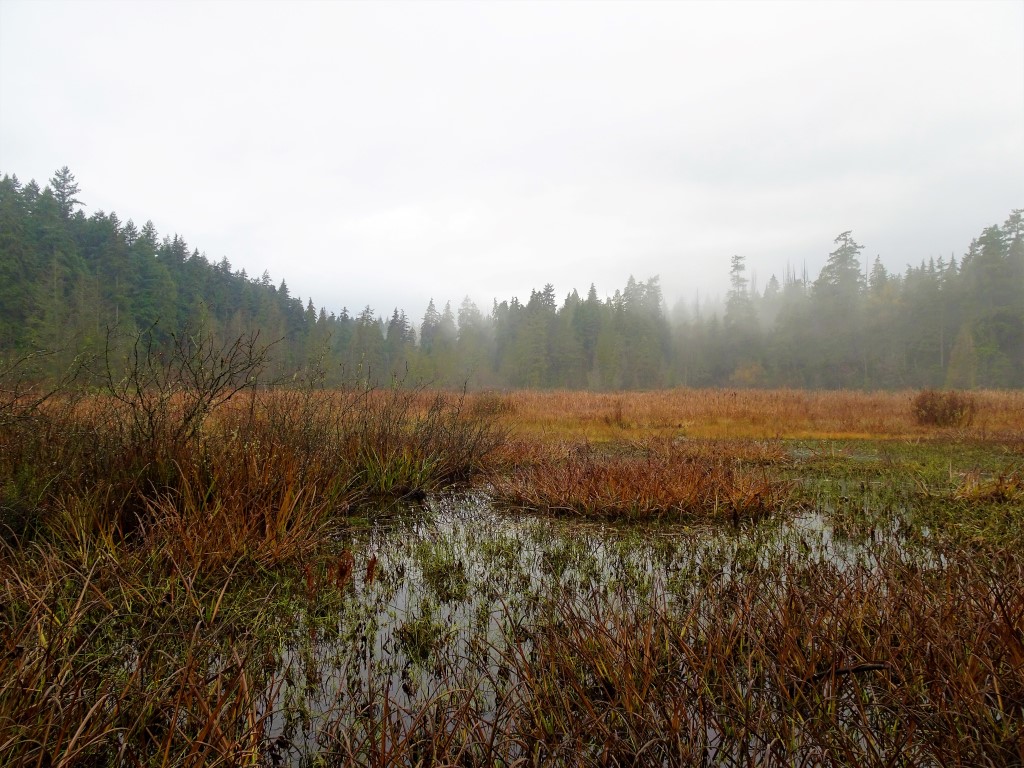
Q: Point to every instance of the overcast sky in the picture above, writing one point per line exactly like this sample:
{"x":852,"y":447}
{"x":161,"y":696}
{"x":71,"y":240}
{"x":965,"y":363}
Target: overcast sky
{"x":386,"y":153}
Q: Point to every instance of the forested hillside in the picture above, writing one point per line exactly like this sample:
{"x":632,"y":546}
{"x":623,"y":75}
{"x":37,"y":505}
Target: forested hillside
{"x":70,"y":283}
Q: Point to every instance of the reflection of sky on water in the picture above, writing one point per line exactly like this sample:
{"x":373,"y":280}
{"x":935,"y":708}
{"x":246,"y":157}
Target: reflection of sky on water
{"x":458,"y":583}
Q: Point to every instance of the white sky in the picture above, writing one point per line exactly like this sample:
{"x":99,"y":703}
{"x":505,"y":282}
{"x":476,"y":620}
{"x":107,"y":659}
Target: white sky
{"x":384,"y":153}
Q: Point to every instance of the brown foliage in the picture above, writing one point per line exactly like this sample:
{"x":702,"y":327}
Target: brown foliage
{"x":932,"y":408}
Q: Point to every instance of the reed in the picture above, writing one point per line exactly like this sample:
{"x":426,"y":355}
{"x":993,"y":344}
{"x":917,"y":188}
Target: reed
{"x":108,"y":663}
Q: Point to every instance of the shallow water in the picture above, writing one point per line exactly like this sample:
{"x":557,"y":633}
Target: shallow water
{"x":458,"y":583}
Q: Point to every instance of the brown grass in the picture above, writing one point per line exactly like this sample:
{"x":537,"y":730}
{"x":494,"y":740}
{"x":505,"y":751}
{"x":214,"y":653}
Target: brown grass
{"x":106,"y":662}
{"x":753,"y":414}
{"x":943,"y":409}
{"x":140,"y":623}
{"x":657,"y":479}
{"x":894,"y":666}
{"x":256,"y":479}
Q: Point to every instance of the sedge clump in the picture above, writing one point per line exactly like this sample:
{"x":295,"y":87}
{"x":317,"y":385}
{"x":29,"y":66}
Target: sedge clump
{"x":943,"y":409}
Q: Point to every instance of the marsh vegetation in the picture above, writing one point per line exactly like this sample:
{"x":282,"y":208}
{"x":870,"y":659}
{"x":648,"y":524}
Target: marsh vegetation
{"x":221,"y":573}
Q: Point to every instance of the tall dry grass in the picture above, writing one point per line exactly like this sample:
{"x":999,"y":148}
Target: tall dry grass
{"x":657,"y":479}
{"x":748,"y":414}
{"x":111,"y":663}
{"x":813,"y":665}
{"x":257,"y":477}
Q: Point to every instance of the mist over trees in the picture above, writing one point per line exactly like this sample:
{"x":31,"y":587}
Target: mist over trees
{"x":69,"y":282}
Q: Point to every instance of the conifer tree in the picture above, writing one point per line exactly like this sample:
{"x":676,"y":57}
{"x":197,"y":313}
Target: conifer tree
{"x":64,"y":190}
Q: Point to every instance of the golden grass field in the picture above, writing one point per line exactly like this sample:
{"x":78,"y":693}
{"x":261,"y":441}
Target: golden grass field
{"x":751,"y":414}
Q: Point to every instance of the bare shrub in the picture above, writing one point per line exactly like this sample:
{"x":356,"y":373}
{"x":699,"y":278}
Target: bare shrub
{"x":183,"y":453}
{"x":163,"y":396}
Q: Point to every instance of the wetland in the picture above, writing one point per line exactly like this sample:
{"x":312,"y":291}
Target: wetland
{"x":404,"y":577}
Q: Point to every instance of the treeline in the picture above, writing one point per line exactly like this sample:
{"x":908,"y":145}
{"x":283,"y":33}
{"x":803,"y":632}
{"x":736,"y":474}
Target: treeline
{"x":71,"y":283}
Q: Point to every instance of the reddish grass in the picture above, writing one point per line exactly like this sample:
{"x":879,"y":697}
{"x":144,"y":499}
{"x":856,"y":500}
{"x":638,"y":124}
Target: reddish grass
{"x":658,"y":479}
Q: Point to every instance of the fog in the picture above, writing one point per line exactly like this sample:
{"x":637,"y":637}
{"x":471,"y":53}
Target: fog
{"x":385,"y":153}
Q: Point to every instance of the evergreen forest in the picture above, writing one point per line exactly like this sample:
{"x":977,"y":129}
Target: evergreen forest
{"x":74,"y":284}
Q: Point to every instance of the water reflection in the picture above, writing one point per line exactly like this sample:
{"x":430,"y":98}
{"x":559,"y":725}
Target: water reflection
{"x":441,"y":595}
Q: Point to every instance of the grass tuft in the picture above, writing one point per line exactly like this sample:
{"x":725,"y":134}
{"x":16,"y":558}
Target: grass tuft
{"x":657,"y":479}
{"x":943,"y":409}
